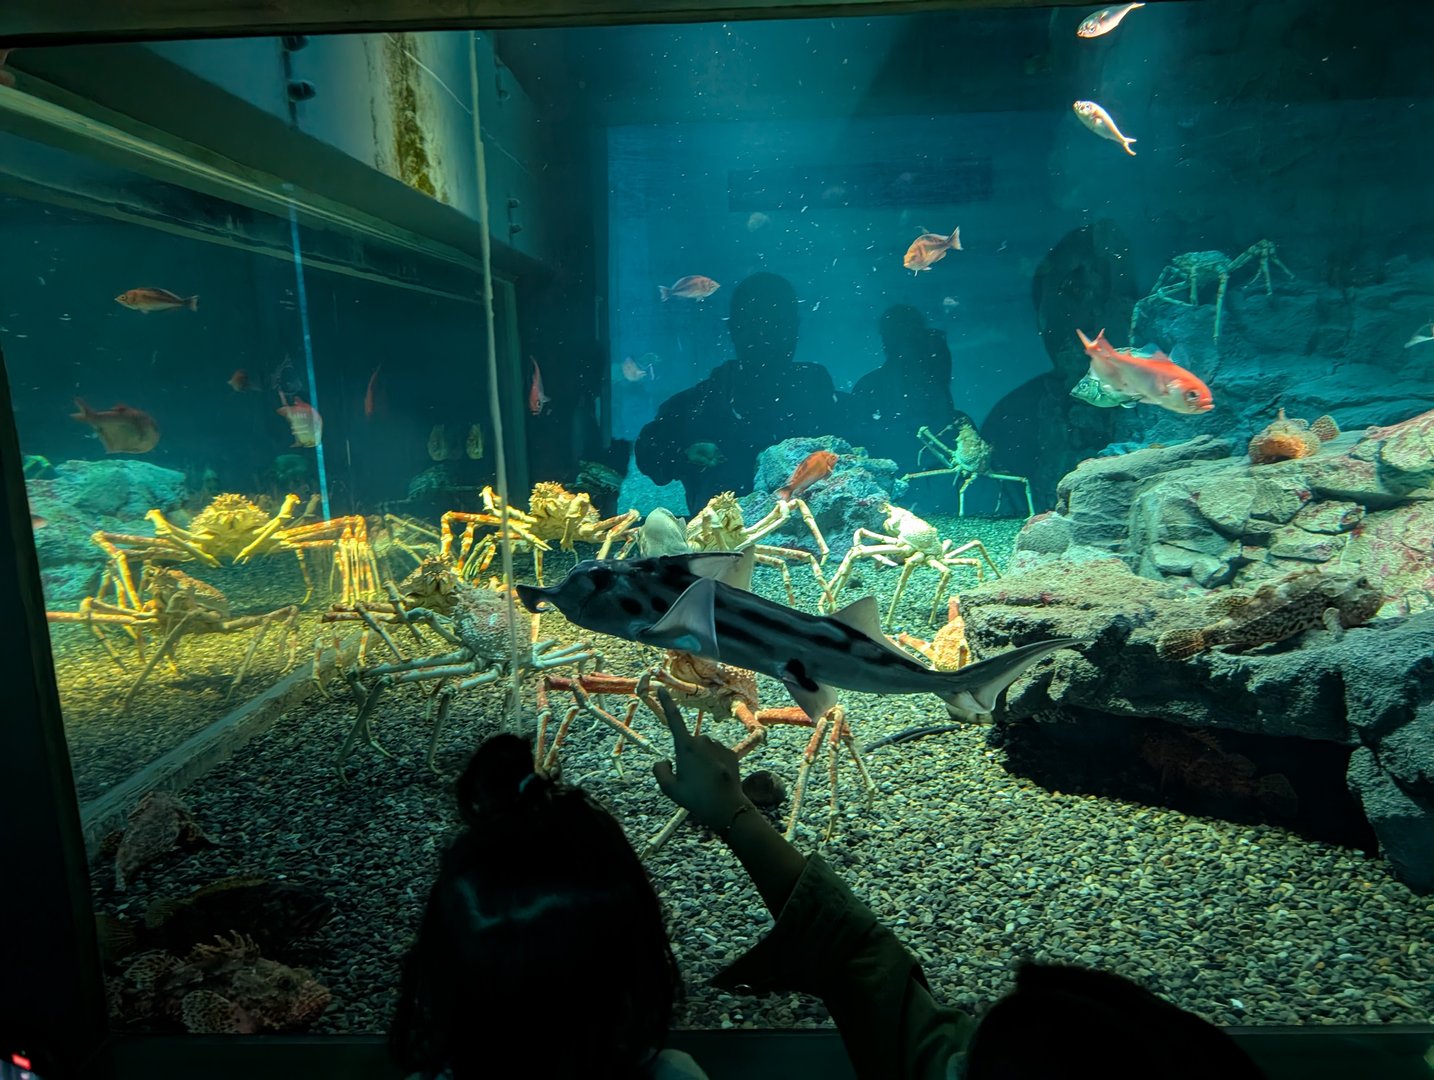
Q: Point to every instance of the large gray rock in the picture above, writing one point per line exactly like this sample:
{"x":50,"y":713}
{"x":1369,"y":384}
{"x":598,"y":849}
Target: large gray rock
{"x":853,"y":496}
{"x":1199,"y":515}
{"x":1371,"y":687}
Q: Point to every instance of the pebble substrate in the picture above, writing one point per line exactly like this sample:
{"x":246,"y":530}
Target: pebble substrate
{"x":973,"y":867}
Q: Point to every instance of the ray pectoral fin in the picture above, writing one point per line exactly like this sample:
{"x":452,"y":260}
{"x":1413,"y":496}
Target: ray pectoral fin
{"x":974,"y":690}
{"x":690,"y":624}
{"x":813,"y":698}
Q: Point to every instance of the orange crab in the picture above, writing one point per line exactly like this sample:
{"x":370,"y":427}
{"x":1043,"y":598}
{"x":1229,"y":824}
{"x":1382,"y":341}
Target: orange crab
{"x":948,"y":650}
{"x":709,"y":687}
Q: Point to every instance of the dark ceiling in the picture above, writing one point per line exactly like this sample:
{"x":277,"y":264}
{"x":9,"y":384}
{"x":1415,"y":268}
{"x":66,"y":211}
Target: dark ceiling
{"x":985,"y":60}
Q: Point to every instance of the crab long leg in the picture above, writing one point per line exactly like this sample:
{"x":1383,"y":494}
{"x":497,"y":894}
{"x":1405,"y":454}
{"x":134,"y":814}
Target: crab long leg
{"x":445,"y":695}
{"x":159,"y":653}
{"x":285,"y":514}
{"x":289,"y":616}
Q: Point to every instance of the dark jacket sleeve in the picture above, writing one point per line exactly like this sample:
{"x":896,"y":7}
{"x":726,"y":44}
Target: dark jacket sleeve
{"x":828,"y":943}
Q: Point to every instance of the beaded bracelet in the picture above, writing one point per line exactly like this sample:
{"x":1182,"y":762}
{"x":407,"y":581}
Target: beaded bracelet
{"x":725,"y":833}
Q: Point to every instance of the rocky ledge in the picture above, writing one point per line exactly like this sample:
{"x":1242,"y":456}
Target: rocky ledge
{"x":1142,"y":539}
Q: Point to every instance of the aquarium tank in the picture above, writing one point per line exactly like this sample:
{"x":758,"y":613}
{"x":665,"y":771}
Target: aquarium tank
{"x":1011,"y":429}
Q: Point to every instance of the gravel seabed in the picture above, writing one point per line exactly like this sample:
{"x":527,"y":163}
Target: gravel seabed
{"x":973,"y":867}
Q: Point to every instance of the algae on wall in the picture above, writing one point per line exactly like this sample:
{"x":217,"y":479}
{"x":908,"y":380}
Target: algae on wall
{"x":414,"y":156}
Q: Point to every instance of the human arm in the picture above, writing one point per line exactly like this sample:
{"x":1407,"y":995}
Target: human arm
{"x":706,"y":781}
{"x":826,"y":941}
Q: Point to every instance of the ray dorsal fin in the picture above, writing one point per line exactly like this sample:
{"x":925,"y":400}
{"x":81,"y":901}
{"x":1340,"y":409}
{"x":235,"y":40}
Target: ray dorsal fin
{"x":864,"y":616}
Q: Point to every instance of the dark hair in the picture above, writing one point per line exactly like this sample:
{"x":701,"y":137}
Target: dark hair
{"x":542,"y":941}
{"x":1066,"y":1021}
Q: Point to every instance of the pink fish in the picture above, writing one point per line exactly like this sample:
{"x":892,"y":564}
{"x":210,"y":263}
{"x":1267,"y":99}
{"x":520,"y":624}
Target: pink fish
{"x":146,"y":300}
{"x":305,"y":422}
{"x":1152,"y":379}
{"x":537,"y":400}
{"x":692,"y":287}
{"x":122,"y":430}
{"x":930,"y":248}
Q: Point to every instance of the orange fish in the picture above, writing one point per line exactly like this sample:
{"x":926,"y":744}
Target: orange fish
{"x":817,"y":466}
{"x":692,"y":287}
{"x":146,"y":300}
{"x":239,"y":381}
{"x":537,"y":400}
{"x":368,"y":395}
{"x":304,"y":420}
{"x":1152,"y":379}
{"x":930,"y":248}
{"x":123,"y":430}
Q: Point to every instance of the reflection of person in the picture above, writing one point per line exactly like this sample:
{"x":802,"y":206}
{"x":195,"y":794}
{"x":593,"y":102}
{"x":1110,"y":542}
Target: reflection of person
{"x":1059,"y":1021}
{"x":708,"y":436}
{"x":912,"y":388}
{"x":541,"y":910}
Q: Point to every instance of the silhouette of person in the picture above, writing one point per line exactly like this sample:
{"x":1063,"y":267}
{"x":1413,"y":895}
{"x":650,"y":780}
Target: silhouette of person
{"x":709,"y":435}
{"x":912,"y":388}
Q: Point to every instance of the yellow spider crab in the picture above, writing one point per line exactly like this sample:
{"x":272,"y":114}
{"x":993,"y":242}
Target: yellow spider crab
{"x":233,"y":530}
{"x":178,"y":606}
{"x":718,"y":526}
{"x":555,"y":514}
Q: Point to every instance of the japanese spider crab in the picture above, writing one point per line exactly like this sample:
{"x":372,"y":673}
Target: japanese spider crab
{"x":231,"y":529}
{"x":710,"y":687}
{"x":177,"y":606}
{"x":718,"y":526}
{"x":554,"y":514}
{"x":1197,"y":269}
{"x":968,"y":458}
{"x":908,"y":542}
{"x":471,"y":620}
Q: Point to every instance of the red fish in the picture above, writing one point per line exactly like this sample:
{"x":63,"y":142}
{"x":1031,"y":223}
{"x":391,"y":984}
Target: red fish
{"x":146,"y":300}
{"x":537,"y":400}
{"x":691,"y":287}
{"x":123,"y":430}
{"x":1152,"y":379}
{"x":930,"y":248}
{"x":817,"y":466}
{"x":368,"y":397}
{"x":304,"y":420}
{"x":239,"y":381}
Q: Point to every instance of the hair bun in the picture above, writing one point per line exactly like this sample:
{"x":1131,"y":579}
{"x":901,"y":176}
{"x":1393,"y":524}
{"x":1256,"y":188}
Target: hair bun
{"x":494,"y":778}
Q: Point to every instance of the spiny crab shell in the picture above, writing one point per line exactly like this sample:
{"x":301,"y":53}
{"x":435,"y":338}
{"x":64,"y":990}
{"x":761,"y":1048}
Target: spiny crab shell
{"x":910,"y":529}
{"x":230,"y":515}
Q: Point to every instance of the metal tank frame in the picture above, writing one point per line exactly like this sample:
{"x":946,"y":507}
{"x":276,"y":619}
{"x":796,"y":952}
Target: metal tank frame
{"x":51,"y":988}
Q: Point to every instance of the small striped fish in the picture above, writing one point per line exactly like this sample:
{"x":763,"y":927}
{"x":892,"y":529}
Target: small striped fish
{"x":702,"y":604}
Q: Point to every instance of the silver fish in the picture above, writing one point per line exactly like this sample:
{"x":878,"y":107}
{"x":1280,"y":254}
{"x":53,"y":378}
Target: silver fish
{"x":1094,"y":392}
{"x":702,"y":604}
